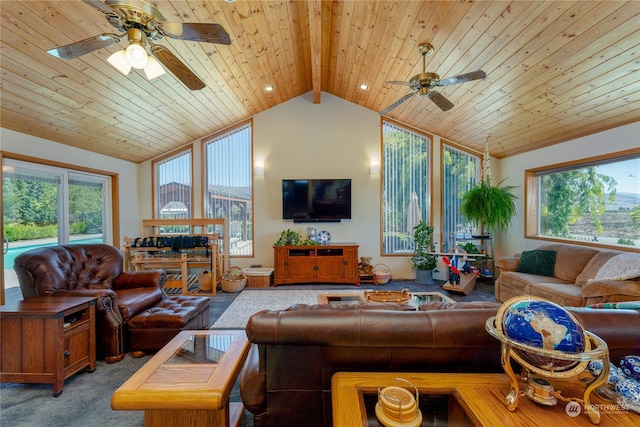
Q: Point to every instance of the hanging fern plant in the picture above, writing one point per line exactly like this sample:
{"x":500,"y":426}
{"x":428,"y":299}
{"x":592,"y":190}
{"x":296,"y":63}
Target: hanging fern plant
{"x":490,"y":208}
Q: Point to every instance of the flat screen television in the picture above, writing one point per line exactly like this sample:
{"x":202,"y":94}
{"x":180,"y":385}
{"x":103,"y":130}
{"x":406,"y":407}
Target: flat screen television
{"x":316,"y":200}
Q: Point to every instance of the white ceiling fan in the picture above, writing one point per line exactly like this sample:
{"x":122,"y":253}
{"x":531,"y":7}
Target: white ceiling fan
{"x":143,"y":24}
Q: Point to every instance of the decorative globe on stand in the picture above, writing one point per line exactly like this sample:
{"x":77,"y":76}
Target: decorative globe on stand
{"x":547,"y":341}
{"x":545,"y":325}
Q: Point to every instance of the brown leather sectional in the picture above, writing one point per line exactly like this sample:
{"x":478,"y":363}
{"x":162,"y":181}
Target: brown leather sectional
{"x":124,"y":298}
{"x":286,"y":379}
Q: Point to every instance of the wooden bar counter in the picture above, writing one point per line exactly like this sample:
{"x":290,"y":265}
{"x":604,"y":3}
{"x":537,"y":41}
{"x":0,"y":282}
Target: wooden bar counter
{"x":473,"y":400}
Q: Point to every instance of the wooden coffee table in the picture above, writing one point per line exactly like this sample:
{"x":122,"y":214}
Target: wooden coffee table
{"x":188,"y":381}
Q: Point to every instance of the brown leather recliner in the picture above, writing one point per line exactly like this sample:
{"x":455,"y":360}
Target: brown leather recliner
{"x":92,"y":270}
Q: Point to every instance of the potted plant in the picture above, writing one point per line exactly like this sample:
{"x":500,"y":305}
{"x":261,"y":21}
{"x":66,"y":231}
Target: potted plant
{"x":489,"y":207}
{"x":423,"y":260}
{"x":293,"y":238}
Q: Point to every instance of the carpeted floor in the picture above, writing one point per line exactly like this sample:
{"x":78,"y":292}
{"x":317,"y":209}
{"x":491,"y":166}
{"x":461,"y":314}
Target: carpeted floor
{"x":250,"y":301}
{"x":85,"y":401}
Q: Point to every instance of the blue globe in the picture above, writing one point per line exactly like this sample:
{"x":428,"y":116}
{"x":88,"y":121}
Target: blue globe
{"x":543,"y":324}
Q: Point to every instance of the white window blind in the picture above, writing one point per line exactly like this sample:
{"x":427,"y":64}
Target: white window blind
{"x":228,"y":192}
{"x":173,"y":186}
{"x":406,"y":197}
{"x":460,"y":172}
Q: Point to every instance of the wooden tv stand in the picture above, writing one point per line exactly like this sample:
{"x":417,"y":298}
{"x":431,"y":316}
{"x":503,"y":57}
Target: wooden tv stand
{"x":332,"y":263}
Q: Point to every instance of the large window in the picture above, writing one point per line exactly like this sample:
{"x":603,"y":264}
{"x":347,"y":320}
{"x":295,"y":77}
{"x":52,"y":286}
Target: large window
{"x":173,"y":189}
{"x":228,"y":191}
{"x":406,"y":197}
{"x":595,"y":201}
{"x":460,"y":172}
{"x":48,"y":205}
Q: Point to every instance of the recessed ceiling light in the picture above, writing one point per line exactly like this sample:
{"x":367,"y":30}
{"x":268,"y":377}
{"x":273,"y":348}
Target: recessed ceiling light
{"x":363,"y":86}
{"x":269,"y":88}
{"x":230,"y":1}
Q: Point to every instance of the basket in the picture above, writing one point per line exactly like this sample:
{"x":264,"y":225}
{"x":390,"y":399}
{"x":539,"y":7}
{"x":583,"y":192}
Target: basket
{"x":387,"y":296}
{"x":381,"y":274}
{"x":233,"y":280}
{"x":258,"y":277}
{"x":205,"y":279}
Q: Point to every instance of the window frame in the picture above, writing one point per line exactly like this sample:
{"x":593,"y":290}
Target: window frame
{"x":155,"y":189}
{"x":532,"y":191}
{"x":111,"y":218}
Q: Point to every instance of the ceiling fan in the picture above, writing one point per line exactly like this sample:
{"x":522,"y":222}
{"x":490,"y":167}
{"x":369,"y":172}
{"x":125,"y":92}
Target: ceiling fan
{"x":142,"y":23}
{"x":423,"y":83}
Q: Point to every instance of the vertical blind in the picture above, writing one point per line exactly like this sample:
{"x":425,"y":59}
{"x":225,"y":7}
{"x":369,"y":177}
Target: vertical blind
{"x":405,"y":186}
{"x":173,"y":186}
{"x":460,"y":171}
{"x":229,"y":191}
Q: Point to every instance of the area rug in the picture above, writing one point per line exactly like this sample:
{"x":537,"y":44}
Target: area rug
{"x":251,"y":301}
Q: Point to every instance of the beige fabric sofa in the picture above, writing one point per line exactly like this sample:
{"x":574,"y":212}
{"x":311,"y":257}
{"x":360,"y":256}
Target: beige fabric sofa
{"x":574,"y":280}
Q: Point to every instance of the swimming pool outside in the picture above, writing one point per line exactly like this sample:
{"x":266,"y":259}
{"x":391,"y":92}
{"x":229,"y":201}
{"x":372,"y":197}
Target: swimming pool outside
{"x":16,"y":248}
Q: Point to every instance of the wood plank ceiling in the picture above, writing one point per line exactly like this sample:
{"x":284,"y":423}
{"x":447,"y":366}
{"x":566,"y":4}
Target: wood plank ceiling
{"x":556,"y":70}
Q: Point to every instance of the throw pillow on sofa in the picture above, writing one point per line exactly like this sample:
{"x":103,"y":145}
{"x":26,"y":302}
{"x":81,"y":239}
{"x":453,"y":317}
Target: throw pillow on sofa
{"x":541,"y":262}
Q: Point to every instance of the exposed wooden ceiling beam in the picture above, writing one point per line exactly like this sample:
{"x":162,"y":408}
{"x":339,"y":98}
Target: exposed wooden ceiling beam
{"x":315,"y":40}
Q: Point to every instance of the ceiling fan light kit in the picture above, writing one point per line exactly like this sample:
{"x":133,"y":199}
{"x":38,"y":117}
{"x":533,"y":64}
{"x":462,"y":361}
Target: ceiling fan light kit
{"x":119,"y":61}
{"x":143,"y":23}
{"x":424,"y":82}
{"x":136,"y":54}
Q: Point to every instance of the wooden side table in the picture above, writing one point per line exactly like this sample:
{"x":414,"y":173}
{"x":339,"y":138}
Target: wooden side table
{"x":47,"y":339}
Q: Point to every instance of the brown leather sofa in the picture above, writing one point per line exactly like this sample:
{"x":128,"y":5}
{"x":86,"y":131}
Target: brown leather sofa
{"x":286,"y":381}
{"x":96,"y":270}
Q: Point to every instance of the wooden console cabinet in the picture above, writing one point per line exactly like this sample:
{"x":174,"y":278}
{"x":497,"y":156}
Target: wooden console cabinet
{"x":47,"y":339}
{"x":333,"y":263}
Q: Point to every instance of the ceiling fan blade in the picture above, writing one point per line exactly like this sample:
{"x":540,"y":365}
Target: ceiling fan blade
{"x":76,"y":49}
{"x":462,"y":78}
{"x":397,"y":82}
{"x":100,"y":6}
{"x":177,"y":67}
{"x":440,"y":100}
{"x":398,"y":102}
{"x":199,"y":32}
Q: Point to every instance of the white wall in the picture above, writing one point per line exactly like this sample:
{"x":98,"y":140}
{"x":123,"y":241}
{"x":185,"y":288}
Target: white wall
{"x":333,"y":139}
{"x":512,"y":168}
{"x":19,"y":143}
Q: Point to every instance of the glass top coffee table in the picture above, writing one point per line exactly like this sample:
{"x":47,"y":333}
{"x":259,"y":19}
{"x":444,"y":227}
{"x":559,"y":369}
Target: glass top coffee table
{"x":418,"y":298}
{"x":415,"y":299}
{"x":188,"y":381}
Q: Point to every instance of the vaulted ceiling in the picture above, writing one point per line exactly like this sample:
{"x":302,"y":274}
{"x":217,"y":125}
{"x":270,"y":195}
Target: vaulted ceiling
{"x":555,"y":70}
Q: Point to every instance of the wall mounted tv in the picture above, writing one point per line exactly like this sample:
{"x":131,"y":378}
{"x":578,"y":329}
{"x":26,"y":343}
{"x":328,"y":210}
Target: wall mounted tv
{"x":316,"y":200}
